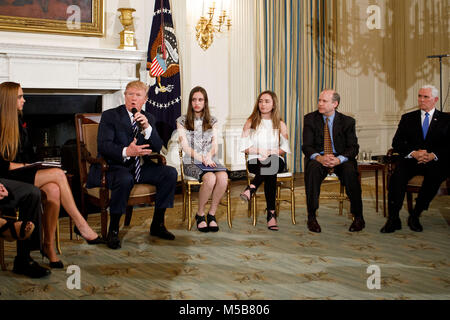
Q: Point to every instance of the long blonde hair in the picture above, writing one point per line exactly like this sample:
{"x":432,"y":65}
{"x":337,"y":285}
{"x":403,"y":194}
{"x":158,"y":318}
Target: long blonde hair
{"x":255,"y":117}
{"x":9,"y":125}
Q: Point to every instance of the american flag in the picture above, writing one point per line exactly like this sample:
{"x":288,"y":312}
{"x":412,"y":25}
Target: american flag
{"x":158,"y":66}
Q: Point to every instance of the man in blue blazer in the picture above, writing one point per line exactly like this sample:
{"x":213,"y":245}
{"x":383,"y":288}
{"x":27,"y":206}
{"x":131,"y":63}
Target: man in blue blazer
{"x":340,"y":158}
{"x":422,"y":140}
{"x":126,"y":135}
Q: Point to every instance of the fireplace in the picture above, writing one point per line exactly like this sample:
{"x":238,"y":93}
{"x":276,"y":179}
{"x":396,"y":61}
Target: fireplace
{"x":50,"y":120}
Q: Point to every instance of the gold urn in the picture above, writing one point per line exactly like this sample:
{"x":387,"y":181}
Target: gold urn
{"x":127,"y":36}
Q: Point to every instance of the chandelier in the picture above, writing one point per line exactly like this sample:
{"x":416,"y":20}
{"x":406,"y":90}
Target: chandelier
{"x":206,"y":28}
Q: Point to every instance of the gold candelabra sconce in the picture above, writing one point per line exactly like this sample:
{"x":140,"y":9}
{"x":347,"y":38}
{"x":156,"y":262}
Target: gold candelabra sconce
{"x":206,"y":28}
{"x":127,"y":36}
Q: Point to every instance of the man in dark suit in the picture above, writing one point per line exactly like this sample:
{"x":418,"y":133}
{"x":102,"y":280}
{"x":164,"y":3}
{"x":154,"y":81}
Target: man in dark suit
{"x":26,"y":198}
{"x":422,"y":142}
{"x":124,"y":141}
{"x":337,"y":156}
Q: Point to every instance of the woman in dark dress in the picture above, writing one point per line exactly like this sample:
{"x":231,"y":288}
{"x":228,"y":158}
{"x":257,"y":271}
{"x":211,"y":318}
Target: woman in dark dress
{"x":52,"y":181}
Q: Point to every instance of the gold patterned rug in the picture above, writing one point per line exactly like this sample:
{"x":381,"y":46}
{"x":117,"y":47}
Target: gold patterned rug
{"x":248,"y":262}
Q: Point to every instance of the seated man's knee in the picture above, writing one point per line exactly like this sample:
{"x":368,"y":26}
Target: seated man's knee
{"x":172,"y":173}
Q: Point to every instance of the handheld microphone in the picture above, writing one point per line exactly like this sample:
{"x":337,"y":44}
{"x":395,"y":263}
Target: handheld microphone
{"x":134,"y":111}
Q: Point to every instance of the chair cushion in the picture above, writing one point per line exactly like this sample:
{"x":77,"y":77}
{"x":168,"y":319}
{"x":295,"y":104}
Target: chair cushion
{"x":188,"y":178}
{"x":279,"y":175}
{"x":137,"y":191}
{"x":417,"y":181}
{"x":284,"y":175}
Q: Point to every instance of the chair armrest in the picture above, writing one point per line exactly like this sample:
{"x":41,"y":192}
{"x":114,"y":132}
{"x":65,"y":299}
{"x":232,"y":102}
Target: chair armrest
{"x":86,"y":155}
{"x":159,"y":157}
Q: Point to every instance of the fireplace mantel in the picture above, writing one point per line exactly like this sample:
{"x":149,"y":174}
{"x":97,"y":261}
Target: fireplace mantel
{"x":70,"y":68}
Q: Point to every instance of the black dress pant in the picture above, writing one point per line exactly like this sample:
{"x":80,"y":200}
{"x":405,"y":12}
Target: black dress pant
{"x":348,"y":174}
{"x":120,"y":180}
{"x":27,"y":198}
{"x":435,"y":172}
{"x":266,"y":171}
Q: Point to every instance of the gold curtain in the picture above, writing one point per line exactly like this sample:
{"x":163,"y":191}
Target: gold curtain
{"x":296,"y":41}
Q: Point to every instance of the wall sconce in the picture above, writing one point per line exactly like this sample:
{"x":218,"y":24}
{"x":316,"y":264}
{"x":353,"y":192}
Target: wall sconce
{"x":206,"y":28}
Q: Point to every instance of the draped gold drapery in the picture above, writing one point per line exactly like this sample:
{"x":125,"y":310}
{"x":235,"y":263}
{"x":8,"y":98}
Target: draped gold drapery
{"x":296,"y":41}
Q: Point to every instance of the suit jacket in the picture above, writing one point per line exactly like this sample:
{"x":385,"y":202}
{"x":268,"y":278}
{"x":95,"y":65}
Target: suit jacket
{"x":344,"y":135}
{"x":409,"y":136}
{"x":115,"y":132}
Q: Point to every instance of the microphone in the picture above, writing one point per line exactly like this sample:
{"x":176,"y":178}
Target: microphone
{"x":134,"y":111}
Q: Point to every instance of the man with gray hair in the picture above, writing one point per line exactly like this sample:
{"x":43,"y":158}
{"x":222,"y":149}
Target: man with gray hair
{"x":422,"y":141}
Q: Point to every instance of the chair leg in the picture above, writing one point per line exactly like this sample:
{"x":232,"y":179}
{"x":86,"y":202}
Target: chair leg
{"x":2,"y":255}
{"x":254,"y":209}
{"x":58,"y":242}
{"x":293,"y":202}
{"x":189,"y":203}
{"x":128,"y":215}
{"x":104,"y":221}
{"x":183,"y":191}
{"x":341,"y":200}
{"x":70,"y":228}
{"x":409,"y":200}
{"x":229,"y":206}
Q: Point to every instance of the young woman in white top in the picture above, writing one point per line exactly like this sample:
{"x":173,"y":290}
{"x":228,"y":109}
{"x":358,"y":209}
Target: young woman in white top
{"x":197,"y":134}
{"x":265,"y":140}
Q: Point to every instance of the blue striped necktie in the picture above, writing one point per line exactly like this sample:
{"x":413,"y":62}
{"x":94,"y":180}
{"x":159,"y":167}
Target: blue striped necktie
{"x":426,"y":125}
{"x":137,"y":160}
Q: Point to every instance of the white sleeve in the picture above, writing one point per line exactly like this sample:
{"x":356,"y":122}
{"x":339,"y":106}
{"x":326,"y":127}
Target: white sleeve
{"x":284,"y":144}
{"x":245,"y":143}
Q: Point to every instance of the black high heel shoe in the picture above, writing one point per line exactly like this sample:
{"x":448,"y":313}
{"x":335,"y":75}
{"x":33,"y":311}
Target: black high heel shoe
{"x":211,"y":218}
{"x":98,"y":240}
{"x":252,"y":192}
{"x":54,"y":265}
{"x":199,"y":220}
{"x":271,"y":215}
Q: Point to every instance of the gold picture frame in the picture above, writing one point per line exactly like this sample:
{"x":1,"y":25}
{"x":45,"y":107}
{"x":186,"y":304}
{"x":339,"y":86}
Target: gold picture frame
{"x":47,"y":16}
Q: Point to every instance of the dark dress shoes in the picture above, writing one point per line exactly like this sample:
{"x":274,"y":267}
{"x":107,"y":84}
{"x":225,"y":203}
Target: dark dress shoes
{"x":160,"y":231}
{"x":391,"y":225}
{"x":29,"y":268}
{"x":112,"y":240}
{"x":414,"y":224}
{"x":357,"y":225}
{"x":314,"y":226}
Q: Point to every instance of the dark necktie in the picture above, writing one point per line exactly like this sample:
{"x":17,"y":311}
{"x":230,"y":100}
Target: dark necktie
{"x":327,"y":146}
{"x":137,"y":160}
{"x":426,"y":125}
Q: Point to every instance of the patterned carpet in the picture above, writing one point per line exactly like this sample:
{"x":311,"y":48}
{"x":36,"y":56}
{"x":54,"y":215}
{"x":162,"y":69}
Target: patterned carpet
{"x":247,"y":263}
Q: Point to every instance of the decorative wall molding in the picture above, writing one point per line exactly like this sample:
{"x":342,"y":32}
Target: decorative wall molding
{"x":70,"y":68}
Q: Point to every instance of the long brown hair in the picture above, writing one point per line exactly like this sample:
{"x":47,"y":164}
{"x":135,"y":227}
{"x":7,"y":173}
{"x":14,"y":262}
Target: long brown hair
{"x":255,"y":117}
{"x":9,"y":126}
{"x":190,"y":117}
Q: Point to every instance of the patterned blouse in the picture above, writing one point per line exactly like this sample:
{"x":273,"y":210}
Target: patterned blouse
{"x":200,"y":141}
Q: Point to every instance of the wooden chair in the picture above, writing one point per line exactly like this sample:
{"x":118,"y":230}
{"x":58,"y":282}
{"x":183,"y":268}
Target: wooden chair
{"x":285,"y":180}
{"x":87,"y":127}
{"x":341,"y":196}
{"x":2,"y":242}
{"x":415,"y":183}
{"x":188,"y":183}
